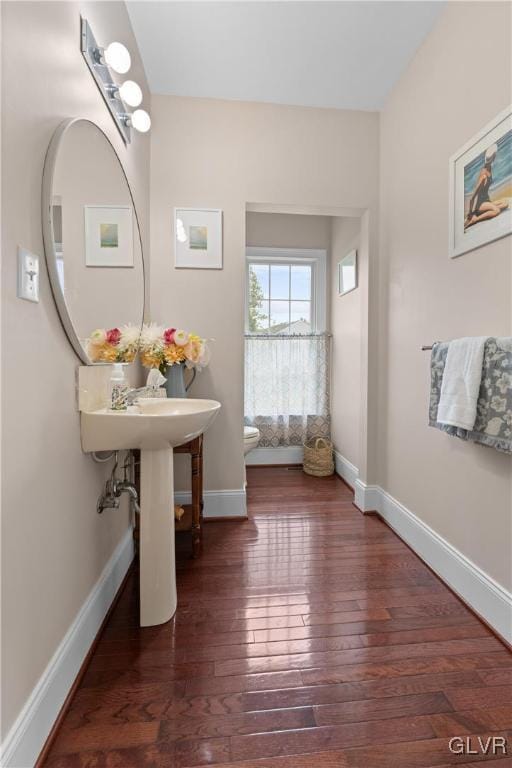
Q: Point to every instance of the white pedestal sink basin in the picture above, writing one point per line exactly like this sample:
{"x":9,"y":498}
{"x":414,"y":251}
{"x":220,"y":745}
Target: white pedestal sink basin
{"x":156,"y":426}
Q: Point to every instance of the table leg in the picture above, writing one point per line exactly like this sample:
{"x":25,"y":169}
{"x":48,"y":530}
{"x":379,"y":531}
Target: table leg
{"x":197,"y":495}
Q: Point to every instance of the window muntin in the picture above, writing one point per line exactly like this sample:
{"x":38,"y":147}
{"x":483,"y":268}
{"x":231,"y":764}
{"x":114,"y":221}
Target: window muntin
{"x":280,"y":297}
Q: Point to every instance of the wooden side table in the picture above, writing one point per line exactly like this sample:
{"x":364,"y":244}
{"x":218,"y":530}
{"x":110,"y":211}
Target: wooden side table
{"x":193,"y":518}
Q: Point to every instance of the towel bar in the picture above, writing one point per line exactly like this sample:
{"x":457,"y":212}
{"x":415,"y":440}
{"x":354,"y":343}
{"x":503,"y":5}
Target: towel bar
{"x":431,"y":346}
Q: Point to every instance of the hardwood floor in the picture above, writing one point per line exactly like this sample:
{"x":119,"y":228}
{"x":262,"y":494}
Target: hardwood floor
{"x":309,"y":636}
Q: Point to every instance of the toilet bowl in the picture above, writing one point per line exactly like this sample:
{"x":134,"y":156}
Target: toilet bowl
{"x":251,"y":439}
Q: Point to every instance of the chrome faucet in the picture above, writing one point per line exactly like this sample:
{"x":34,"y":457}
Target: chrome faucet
{"x":133,"y":394}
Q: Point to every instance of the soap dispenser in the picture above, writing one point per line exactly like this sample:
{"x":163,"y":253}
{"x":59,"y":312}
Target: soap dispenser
{"x":118,"y":388}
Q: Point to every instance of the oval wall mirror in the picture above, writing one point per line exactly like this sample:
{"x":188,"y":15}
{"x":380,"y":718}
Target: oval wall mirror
{"x":91,"y":235}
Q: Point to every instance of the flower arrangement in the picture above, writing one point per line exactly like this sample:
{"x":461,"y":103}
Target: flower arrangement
{"x":160,"y":347}
{"x":117,"y":345}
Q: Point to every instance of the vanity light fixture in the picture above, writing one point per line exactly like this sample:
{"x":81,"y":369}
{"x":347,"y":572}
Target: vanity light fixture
{"x":118,"y":97}
{"x":117,"y":57}
{"x":131,"y":93}
{"x":140,"y":120}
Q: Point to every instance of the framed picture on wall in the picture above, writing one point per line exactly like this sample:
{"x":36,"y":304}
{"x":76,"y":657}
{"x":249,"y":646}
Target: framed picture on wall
{"x":198,"y":238}
{"x":347,"y":273}
{"x":108,"y":236}
{"x":481,"y":187}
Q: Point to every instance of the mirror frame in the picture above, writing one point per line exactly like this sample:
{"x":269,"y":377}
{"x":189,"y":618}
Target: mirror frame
{"x":50,"y":162}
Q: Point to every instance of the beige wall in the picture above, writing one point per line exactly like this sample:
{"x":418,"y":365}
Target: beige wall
{"x":461,"y":490}
{"x":347,"y":344}
{"x":287,"y":230}
{"x":54,"y":545}
{"x":223,"y":154}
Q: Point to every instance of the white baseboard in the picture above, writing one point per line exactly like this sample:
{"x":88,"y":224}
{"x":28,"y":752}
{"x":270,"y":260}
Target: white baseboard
{"x":345,"y":469}
{"x":480,"y":591}
{"x":294,"y":454}
{"x":27,"y":736}
{"x":366,"y":497}
{"x":218,"y":503}
{"x":286,"y":454}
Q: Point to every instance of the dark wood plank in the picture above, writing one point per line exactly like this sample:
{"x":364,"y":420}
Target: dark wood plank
{"x":433,"y":753}
{"x":330,"y":737}
{"x":428,"y":634}
{"x":501,"y":716}
{"x":99,"y":736}
{"x":380,"y":709}
{"x":240,"y":625}
{"x":191,"y":752}
{"x":497,"y":676}
{"x":408,"y":755}
{"x":355,"y":656}
{"x":405,"y":667}
{"x":310,"y":597}
{"x":368,"y":689}
{"x":210,"y":726}
{"x":463,"y":723}
{"x":134,"y":677}
{"x":469,"y":698}
{"x":232,"y":652}
{"x":404,"y":630}
{"x":118,"y":643}
{"x":273,"y":610}
{"x":268,"y":681}
{"x":308,"y":636}
{"x":156,"y":755}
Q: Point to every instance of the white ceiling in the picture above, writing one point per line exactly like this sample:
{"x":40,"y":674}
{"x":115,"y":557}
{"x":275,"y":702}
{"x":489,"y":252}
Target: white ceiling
{"x":346,"y":55}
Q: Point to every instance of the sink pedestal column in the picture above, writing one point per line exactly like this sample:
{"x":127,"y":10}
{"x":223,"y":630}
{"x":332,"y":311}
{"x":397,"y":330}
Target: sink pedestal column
{"x":157,"y":556}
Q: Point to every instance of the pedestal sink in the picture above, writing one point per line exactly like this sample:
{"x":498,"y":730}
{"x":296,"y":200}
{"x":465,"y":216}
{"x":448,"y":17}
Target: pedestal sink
{"x":156,"y":426}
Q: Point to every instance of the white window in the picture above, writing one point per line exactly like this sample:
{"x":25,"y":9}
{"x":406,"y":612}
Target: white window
{"x":286,"y":291}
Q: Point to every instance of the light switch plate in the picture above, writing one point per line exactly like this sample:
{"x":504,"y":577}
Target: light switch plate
{"x":28,"y":275}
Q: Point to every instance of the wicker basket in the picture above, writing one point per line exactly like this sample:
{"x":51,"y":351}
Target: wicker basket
{"x":318,"y":457}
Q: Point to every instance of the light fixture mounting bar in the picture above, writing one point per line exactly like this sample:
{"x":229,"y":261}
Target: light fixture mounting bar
{"x":103,"y":78}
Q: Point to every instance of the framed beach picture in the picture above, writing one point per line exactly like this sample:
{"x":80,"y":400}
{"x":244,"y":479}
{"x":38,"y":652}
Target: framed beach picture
{"x":108,"y":236}
{"x":481,"y":187}
{"x":198,"y":238}
{"x":347,"y":273}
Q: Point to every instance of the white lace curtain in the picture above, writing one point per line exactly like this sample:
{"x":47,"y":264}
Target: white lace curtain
{"x":287,"y":387}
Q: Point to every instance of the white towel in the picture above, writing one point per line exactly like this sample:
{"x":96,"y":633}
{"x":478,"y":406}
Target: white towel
{"x":461,"y":382}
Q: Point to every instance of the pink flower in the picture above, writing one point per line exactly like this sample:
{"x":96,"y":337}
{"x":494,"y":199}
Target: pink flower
{"x":169,"y":335}
{"x":114,"y":336}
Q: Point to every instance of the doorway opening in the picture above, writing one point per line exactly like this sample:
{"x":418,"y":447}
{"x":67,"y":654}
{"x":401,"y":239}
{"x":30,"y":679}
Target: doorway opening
{"x":304,"y":342}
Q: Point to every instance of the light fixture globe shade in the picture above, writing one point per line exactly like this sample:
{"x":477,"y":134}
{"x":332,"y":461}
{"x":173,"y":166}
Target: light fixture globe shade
{"x":118,"y":58}
{"x":131,"y":93}
{"x":140,"y":120}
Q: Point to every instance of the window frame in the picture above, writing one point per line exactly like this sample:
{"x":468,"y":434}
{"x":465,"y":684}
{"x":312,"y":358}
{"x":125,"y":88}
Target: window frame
{"x":316,"y":258}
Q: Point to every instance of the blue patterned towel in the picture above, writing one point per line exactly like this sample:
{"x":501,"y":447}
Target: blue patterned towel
{"x":493,"y":425}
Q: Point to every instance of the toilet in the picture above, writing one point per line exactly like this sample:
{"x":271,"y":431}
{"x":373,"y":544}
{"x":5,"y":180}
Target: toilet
{"x":251,"y":439}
